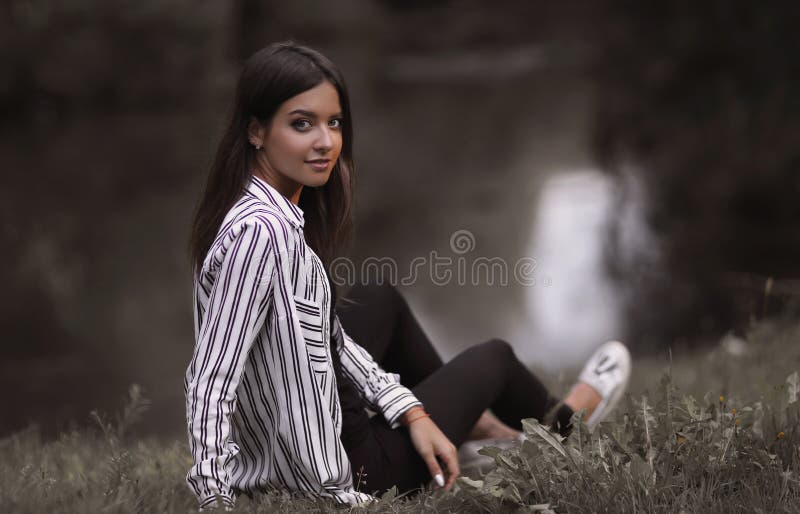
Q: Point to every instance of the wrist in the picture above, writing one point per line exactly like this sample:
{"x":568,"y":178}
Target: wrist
{"x":412,"y":414}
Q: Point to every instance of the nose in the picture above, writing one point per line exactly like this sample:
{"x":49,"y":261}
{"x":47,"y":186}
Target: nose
{"x":324,"y":141}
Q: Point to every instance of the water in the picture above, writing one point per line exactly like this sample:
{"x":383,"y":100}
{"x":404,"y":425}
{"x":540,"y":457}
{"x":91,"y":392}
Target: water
{"x":575,"y":305}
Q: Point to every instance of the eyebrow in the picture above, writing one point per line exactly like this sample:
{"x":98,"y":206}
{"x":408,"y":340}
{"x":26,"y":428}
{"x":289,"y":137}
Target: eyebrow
{"x":312,"y":114}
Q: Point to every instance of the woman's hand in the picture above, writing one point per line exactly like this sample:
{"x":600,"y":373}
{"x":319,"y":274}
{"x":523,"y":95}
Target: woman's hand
{"x":430,"y":443}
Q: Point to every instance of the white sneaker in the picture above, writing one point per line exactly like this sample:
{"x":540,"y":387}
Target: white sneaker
{"x":607,"y":372}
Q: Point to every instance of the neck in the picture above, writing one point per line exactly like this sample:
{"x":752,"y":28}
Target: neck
{"x":294,"y":197}
{"x":284,"y":185}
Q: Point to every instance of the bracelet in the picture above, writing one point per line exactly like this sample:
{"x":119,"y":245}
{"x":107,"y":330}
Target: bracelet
{"x":426,"y":415}
{"x":423,"y":415}
{"x":412,"y":411}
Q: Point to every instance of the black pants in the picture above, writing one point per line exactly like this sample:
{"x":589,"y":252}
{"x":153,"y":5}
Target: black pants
{"x":486,"y":375}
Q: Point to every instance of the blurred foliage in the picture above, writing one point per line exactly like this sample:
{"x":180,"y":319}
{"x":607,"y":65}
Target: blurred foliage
{"x":104,"y":116}
{"x":109,"y":112}
{"x":702,"y":100}
{"x":88,"y":55}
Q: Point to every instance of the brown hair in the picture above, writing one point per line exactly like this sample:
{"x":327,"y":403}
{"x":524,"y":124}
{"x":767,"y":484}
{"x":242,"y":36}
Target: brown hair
{"x":270,"y":77}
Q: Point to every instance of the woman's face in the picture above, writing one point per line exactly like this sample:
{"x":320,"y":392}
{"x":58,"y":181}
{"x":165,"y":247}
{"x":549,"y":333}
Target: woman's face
{"x":302,"y":142}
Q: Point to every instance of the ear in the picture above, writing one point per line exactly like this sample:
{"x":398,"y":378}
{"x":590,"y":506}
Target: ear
{"x":256,"y":133}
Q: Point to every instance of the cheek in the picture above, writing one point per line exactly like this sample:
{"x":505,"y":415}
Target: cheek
{"x":337,"y":147}
{"x":289,"y":145}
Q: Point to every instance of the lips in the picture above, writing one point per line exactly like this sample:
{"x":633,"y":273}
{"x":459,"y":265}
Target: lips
{"x":319,"y":164}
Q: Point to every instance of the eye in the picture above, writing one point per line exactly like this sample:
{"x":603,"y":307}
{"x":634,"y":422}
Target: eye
{"x":336,"y":123}
{"x":301,"y":124}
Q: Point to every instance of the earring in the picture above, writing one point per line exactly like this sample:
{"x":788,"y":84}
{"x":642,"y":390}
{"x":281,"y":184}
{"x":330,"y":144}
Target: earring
{"x":256,"y":144}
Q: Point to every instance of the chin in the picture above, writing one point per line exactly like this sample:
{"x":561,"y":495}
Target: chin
{"x":317,"y":180}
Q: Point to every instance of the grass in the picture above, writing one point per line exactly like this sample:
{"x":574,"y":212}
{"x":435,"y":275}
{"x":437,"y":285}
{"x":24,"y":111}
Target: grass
{"x":732,"y":445}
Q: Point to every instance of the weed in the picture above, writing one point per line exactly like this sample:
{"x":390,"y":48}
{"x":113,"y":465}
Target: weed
{"x":662,"y":452}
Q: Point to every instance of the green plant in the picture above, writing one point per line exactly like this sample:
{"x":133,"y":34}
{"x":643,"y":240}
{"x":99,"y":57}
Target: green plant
{"x":674,"y":454}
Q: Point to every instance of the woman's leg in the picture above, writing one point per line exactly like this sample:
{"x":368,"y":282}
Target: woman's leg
{"x":485,"y":375}
{"x":488,"y":375}
{"x":378,"y":318}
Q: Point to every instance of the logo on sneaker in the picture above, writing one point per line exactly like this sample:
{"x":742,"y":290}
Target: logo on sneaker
{"x":600,"y":369}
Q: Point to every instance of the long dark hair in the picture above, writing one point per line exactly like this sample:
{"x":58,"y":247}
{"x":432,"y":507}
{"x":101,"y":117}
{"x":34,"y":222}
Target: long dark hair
{"x":270,"y":77}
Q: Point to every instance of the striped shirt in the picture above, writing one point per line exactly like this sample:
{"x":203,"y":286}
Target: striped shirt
{"x":262,"y":405}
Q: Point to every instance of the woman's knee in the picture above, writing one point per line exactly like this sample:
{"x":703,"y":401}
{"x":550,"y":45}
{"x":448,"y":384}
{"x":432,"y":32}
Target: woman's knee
{"x":498,"y":349}
{"x":485,"y":365}
{"x":493,"y":356}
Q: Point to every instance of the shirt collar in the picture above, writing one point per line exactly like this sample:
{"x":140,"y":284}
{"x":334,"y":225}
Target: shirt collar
{"x":269,"y":195}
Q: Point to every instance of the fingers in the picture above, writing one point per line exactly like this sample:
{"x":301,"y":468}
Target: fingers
{"x":449,"y":455}
{"x":430,"y":442}
{"x":433,"y":467}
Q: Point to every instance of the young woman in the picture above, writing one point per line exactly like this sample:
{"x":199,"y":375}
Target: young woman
{"x":276,"y":389}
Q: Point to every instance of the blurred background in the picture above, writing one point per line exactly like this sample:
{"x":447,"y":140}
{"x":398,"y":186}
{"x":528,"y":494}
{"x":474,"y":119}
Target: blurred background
{"x":643,"y":157}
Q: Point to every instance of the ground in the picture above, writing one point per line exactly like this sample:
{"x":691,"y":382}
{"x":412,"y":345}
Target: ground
{"x":711,"y":430}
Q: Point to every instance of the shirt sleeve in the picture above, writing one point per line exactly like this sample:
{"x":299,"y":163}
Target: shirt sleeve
{"x":382,"y":390}
{"x":253,"y":289}
{"x":236,"y":311}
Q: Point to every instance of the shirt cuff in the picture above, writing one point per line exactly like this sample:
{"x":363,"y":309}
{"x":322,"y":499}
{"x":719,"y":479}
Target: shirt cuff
{"x":394,"y":401}
{"x":210,"y":502}
{"x":355,"y":498}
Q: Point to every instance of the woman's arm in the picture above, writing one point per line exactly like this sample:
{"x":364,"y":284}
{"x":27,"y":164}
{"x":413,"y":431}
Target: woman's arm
{"x":247,"y":288}
{"x":236,"y":309}
{"x":381,"y":390}
{"x":431,"y":443}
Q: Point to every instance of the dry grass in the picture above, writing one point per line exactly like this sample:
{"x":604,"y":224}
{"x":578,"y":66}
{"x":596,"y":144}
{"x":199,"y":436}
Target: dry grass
{"x":734,"y":449}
